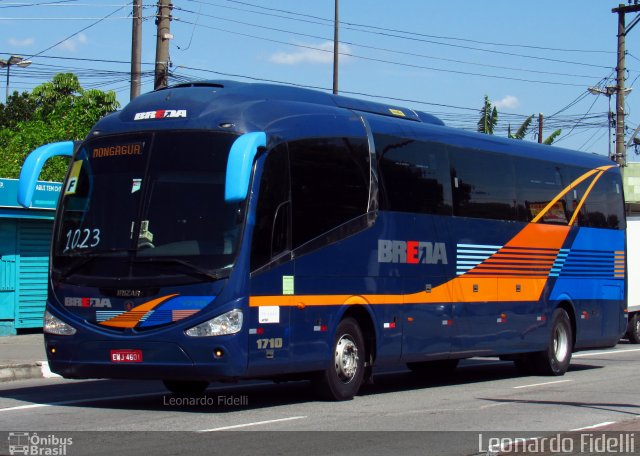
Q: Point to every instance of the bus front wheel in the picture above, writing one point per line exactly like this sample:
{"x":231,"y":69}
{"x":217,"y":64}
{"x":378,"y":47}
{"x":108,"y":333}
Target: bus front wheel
{"x":343,"y":378}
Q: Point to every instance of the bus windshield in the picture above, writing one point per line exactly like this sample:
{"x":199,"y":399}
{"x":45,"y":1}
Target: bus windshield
{"x":140,"y":206}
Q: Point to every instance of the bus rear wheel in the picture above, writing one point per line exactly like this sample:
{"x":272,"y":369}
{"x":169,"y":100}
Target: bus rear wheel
{"x":633,"y":329}
{"x":556,"y":358}
{"x":341,"y":380}
{"x":185,"y":387}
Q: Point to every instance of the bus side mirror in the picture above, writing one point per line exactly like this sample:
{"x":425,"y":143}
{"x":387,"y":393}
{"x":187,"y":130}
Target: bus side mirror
{"x":243,"y":151}
{"x":33,"y":165}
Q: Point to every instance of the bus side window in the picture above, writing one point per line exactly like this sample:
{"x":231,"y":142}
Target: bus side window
{"x":271,"y":234}
{"x":415,"y":175}
{"x":483,"y":184}
{"x":538,"y":183}
{"x":604,"y":205}
{"x":329,"y":185}
{"x":576,"y":194}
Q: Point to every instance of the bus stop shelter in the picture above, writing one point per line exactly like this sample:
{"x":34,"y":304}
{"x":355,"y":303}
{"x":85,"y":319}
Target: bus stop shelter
{"x":25,"y":237}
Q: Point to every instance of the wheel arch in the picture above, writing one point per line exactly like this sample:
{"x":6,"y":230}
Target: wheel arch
{"x":567,"y":305}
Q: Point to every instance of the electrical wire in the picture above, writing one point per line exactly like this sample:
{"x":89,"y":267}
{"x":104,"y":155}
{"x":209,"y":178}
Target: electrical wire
{"x":78,"y":32}
{"x":326,"y":21}
{"x":376,"y":48}
{"x":371,"y":59}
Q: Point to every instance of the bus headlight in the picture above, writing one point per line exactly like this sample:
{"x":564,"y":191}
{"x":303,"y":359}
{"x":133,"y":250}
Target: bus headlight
{"x":53,"y":325}
{"x":227,"y":323}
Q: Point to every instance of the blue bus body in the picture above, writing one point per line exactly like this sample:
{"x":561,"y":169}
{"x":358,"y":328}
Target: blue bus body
{"x":437,"y":244}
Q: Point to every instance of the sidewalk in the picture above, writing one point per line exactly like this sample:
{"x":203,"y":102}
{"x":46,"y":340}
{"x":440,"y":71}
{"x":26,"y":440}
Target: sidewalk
{"x":22,"y":357}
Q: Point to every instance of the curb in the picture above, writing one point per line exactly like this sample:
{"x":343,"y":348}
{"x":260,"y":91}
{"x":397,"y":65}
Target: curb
{"x":27,"y":371}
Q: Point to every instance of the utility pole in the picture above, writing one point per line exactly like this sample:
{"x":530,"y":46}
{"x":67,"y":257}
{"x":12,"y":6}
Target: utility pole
{"x":163,"y":21}
{"x":335,"y":51}
{"x":540,"y":120}
{"x":621,"y":10}
{"x":136,"y":49}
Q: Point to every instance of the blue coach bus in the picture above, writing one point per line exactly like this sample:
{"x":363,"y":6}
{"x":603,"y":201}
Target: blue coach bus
{"x":222,"y":230}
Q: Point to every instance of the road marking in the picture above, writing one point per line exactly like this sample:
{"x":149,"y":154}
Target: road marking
{"x":606,"y":423}
{"x":77,"y":401}
{"x":541,"y":384}
{"x":610,"y":352}
{"x":111,"y":398}
{"x":256,"y":423}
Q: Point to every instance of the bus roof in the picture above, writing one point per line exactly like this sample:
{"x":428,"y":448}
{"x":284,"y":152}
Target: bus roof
{"x":246,"y":107}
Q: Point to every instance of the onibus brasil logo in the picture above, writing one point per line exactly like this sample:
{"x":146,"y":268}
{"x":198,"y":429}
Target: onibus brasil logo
{"x":30,"y":443}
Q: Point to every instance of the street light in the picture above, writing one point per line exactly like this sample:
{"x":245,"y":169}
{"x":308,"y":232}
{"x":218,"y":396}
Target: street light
{"x":14,"y":60}
{"x":608,"y":91}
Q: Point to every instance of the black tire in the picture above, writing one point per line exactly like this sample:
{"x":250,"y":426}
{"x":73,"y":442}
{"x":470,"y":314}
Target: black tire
{"x":184,"y":387}
{"x":556,"y":358}
{"x":434,"y":369}
{"x":342,"y":379}
{"x":633,"y":329}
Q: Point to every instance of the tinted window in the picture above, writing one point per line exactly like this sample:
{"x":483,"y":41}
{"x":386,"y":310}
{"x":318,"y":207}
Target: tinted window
{"x":538,"y":183}
{"x":483,"y":184}
{"x":604,"y":206}
{"x":414,"y":174}
{"x":329,"y":184}
{"x":573,"y":197}
{"x":271,"y":231}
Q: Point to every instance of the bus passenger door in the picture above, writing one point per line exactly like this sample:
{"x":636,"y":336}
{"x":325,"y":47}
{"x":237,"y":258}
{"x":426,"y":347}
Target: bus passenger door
{"x":272,"y":268}
{"x":269,"y":322}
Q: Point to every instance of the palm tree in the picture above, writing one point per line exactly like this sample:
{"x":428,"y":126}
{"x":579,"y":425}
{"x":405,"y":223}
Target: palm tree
{"x":552,"y":137}
{"x":488,"y":117}
{"x":522,"y":131}
{"x":489,"y":120}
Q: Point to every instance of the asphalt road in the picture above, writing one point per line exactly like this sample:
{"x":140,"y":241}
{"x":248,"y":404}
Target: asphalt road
{"x":484,"y":400}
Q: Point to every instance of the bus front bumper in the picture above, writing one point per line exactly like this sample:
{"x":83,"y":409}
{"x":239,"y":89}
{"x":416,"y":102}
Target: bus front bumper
{"x":127,"y":359}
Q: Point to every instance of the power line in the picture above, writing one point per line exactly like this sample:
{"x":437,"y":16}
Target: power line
{"x":330,"y":22}
{"x":410,"y":54}
{"x":61,"y":18}
{"x":371,"y":59}
{"x":25,"y":5}
{"x":577,"y":123}
{"x":78,"y":32}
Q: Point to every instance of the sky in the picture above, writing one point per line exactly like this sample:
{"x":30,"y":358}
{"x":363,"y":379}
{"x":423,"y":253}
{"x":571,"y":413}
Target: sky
{"x":439,"y":57}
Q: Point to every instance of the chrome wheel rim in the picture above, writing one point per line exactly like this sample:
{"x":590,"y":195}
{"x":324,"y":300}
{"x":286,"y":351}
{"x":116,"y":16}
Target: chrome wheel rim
{"x":561,"y":343}
{"x":346,"y":359}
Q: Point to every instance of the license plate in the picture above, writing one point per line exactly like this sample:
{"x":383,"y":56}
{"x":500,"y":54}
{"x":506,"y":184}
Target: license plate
{"x":126,"y":356}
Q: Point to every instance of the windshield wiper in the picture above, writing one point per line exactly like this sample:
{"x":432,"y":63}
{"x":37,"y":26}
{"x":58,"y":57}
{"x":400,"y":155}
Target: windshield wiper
{"x":216,"y":274}
{"x":66,"y":272}
{"x":84,"y":260}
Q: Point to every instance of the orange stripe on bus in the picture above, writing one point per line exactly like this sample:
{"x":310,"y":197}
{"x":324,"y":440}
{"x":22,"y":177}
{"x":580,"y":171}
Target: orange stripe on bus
{"x":487,"y":281}
{"x":131,"y":318}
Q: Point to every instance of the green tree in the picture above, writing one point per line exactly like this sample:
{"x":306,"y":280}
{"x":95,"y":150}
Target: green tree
{"x":489,"y":120}
{"x":19,"y":108}
{"x":488,"y":117}
{"x":59,"y":110}
{"x":521,"y":132}
{"x":552,"y":137}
